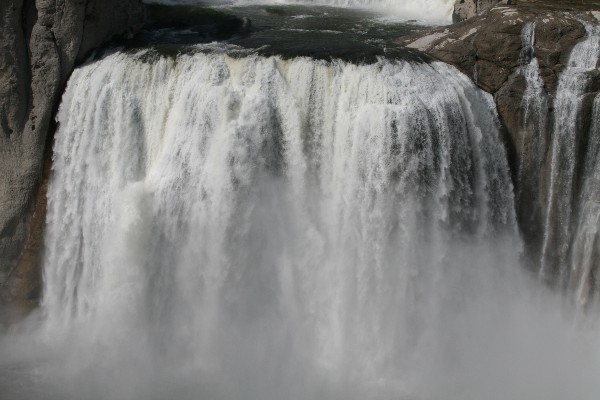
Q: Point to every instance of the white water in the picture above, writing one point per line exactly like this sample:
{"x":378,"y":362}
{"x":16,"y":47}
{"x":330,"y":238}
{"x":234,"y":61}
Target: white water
{"x":254,"y":228}
{"x":555,"y":262}
{"x":534,"y":98}
{"x":428,"y":11}
{"x":585,"y":253}
{"x":534,"y":106}
{"x":532,"y":141}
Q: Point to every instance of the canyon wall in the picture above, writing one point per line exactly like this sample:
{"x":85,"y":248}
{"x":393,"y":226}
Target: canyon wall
{"x":540,"y":62}
{"x":40,"y":43}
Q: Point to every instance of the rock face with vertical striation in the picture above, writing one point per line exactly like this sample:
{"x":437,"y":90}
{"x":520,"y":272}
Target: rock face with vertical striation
{"x":40,"y":43}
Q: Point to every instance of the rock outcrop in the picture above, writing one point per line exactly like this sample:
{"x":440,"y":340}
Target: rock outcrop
{"x":40,"y":43}
{"x":495,"y":50}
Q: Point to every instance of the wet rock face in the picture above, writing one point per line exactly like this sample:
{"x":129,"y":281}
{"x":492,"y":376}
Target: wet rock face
{"x":489,"y":48}
{"x":40,"y":42}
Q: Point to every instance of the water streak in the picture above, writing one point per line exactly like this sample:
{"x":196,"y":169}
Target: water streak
{"x":573,"y":82}
{"x":585,"y":252}
{"x":531,"y":144}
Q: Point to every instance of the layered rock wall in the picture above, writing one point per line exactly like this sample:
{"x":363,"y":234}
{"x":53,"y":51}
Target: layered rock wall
{"x":40,"y":43}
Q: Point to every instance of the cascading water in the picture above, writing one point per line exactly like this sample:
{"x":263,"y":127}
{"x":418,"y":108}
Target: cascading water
{"x":534,"y":98}
{"x":221,"y":210}
{"x":259,"y":228}
{"x":534,"y":105}
{"x":532,"y":140}
{"x":585,"y":249}
{"x":555,"y":261}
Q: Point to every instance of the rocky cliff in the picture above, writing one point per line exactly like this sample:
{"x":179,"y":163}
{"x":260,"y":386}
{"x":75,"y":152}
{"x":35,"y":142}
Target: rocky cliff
{"x":518,"y":53}
{"x":40,"y":43}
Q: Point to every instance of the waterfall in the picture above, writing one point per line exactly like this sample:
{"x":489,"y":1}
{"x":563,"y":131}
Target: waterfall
{"x":533,"y":102}
{"x":532,"y":140}
{"x":313,"y":219}
{"x":242,"y":227}
{"x":566,"y":138}
{"x":586,"y":246}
